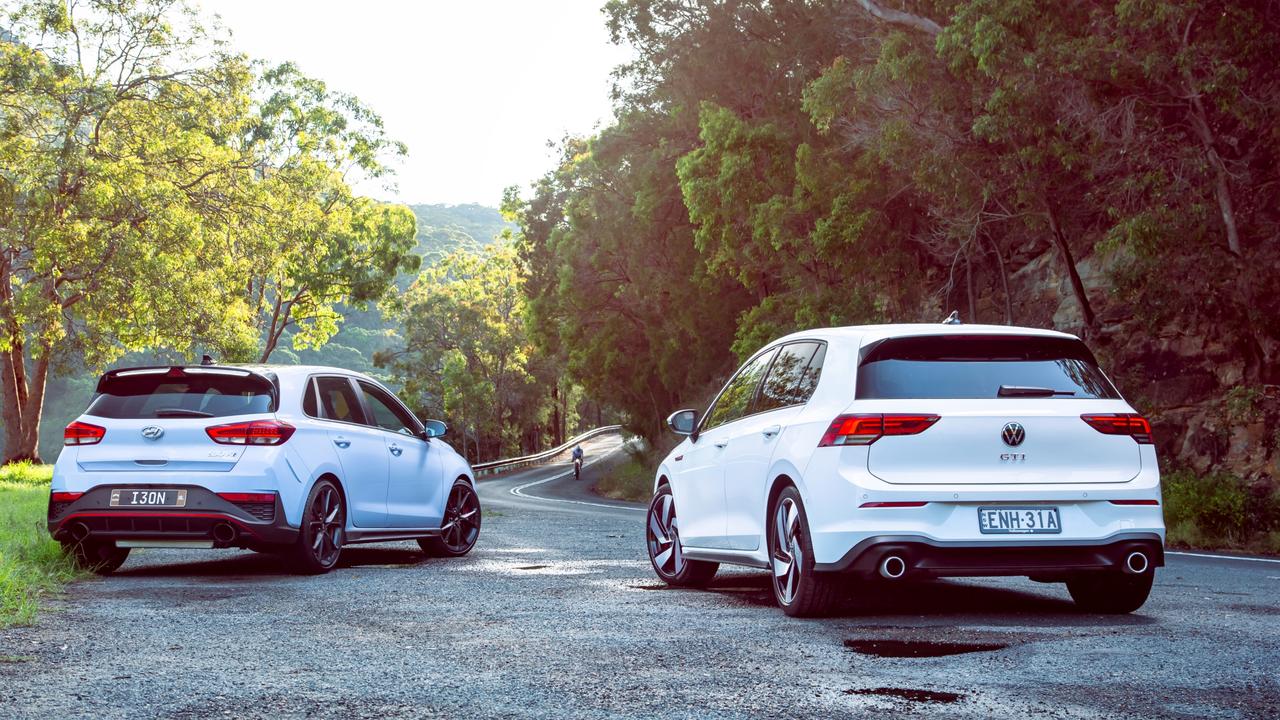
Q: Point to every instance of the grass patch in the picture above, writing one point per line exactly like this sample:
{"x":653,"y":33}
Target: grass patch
{"x":630,"y":480}
{"x":1219,"y":510}
{"x":32,"y":565}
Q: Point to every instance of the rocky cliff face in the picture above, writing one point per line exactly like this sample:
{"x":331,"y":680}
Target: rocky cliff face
{"x":1191,"y":380}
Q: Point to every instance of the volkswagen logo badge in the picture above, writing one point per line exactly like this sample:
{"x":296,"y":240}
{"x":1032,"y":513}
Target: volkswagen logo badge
{"x":1013,"y":434}
{"x":152,"y":432}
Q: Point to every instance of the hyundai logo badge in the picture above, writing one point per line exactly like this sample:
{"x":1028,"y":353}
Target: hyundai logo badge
{"x":152,"y":432}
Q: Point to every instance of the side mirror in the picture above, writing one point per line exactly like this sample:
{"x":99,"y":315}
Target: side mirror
{"x":683,"y":422}
{"x":435,"y":429}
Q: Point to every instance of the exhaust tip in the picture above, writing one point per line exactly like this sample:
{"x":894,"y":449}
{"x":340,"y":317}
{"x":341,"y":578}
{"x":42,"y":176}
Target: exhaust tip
{"x":224,"y":533}
{"x":893,"y":567}
{"x":79,"y":531}
{"x":1137,"y":563}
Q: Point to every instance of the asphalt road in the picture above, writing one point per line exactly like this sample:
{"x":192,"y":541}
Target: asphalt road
{"x":557,"y":613}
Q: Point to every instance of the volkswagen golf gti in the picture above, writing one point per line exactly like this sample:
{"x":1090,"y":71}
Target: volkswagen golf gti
{"x":914,"y":451}
{"x":289,"y":459}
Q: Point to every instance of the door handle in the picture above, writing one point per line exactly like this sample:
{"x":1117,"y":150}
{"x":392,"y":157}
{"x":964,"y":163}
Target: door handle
{"x":772,"y":430}
{"x":721,"y":444}
{"x":395,"y":449}
{"x":342,"y":442}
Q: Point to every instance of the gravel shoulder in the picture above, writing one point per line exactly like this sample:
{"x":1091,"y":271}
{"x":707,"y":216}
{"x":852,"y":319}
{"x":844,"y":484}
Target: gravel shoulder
{"x":557,"y":613}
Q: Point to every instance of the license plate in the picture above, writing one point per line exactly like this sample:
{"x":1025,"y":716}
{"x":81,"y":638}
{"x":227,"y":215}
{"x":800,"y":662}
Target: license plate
{"x":1019,"y":520}
{"x":148,"y":498}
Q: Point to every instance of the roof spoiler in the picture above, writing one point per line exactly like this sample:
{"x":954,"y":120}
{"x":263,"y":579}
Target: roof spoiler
{"x":177,"y":371}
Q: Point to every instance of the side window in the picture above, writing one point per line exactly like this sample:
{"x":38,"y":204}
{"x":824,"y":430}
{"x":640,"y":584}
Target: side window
{"x":809,"y":379}
{"x":309,"y":407}
{"x":338,"y":400}
{"x":387,"y":412}
{"x":782,"y":385}
{"x":736,"y":397}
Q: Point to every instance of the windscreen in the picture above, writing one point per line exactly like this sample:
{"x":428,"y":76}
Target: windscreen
{"x":168,"y":395}
{"x":980,"y":366}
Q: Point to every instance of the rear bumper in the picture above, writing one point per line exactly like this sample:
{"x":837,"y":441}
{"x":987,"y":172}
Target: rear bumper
{"x":924,"y":557}
{"x":204,"y":518}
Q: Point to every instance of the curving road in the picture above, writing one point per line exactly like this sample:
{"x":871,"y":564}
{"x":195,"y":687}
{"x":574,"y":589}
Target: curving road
{"x":557,"y":613}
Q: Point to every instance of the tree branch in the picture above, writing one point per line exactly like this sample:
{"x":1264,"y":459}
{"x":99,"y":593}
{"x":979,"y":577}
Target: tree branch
{"x":897,"y":17}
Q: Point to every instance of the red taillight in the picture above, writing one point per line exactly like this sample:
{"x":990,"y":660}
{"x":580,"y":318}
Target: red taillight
{"x":79,"y":433}
{"x":1135,"y":502}
{"x":1135,"y":426}
{"x":256,"y":432}
{"x":866,"y":429}
{"x":892,"y":504}
{"x":65,"y":497}
{"x":236,"y":497}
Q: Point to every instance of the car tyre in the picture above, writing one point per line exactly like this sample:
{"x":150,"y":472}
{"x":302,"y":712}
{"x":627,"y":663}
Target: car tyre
{"x":324,"y":522}
{"x":460,"y":527}
{"x":662,"y":537}
{"x":1110,"y":593}
{"x":96,"y":556}
{"x":799,"y":590}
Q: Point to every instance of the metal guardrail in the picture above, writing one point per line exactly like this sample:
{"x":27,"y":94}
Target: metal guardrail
{"x":497,"y":466}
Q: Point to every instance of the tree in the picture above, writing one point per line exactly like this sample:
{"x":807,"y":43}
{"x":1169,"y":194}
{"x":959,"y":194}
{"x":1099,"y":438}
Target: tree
{"x":113,"y":180}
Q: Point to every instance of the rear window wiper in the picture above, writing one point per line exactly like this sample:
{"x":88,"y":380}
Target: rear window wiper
{"x":1027,"y":391}
{"x":181,"y":412}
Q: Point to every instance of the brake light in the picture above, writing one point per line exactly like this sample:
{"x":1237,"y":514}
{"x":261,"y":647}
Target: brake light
{"x":1135,"y":426}
{"x":79,"y":433}
{"x":1135,"y":502}
{"x":255,"y":432}
{"x":866,"y":429}
{"x":65,"y":497}
{"x":238,"y":497}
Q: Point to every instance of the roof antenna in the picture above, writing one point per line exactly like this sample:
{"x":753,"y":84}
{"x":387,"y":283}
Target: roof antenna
{"x":953,"y":318}
{"x":206,"y":360}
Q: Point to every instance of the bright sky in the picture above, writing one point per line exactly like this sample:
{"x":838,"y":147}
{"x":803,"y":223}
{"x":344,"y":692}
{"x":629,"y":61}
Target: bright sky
{"x":476,"y":88}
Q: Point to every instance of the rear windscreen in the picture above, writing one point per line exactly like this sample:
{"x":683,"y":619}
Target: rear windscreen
{"x":975,"y":366}
{"x":195,"y":395}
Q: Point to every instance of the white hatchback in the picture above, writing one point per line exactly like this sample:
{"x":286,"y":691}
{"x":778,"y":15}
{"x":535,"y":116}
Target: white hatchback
{"x":914,"y":451}
{"x":292,"y":459}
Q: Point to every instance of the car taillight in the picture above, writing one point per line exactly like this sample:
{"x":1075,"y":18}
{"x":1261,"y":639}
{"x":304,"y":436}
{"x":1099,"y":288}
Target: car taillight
{"x":79,"y":433}
{"x":239,"y":497}
{"x":255,"y":432}
{"x":65,"y":497}
{"x":866,"y":429}
{"x":1135,"y":426}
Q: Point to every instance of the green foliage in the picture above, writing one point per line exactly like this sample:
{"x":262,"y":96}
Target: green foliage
{"x":32,"y":566}
{"x":1218,"y":510}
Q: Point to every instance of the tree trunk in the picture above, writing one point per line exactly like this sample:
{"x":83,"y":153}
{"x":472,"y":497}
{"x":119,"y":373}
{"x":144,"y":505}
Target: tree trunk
{"x":968,"y":287}
{"x":1077,"y":286}
{"x":23,"y":404}
{"x":1004,"y":280}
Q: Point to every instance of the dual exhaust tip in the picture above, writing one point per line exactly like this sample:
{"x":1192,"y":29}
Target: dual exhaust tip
{"x":223,"y":533}
{"x":893,"y":567}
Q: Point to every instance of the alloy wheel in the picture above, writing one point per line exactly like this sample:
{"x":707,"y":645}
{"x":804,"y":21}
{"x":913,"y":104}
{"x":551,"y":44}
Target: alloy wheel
{"x":461,"y":523}
{"x":787,"y":553}
{"x":326,"y":521}
{"x":663,"y":535}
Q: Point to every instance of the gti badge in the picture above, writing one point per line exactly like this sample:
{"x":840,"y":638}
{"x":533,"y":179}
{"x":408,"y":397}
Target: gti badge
{"x":152,"y":432}
{"x":1013,"y":434}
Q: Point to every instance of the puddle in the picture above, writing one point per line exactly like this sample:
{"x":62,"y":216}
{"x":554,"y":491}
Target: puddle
{"x":919,"y":648}
{"x":532,"y":567}
{"x":909,"y":694}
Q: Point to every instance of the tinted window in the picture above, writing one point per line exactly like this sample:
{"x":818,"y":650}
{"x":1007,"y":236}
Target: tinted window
{"x":338,"y":400}
{"x":809,"y":380}
{"x":973,"y":367}
{"x":738,"y":394}
{"x":387,"y":413}
{"x":196,"y":394}
{"x":782,"y":385}
{"x":309,"y":407}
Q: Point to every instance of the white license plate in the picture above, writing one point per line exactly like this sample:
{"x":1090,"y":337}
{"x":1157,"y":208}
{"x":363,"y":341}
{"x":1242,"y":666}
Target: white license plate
{"x":147,"y":497}
{"x":1035,"y":520}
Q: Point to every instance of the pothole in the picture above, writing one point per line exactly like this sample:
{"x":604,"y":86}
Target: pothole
{"x":910,"y":694}
{"x":919,"y":648}
{"x":532,"y":567}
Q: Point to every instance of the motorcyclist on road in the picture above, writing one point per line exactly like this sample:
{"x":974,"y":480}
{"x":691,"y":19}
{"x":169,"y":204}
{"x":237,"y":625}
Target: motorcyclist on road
{"x":577,"y":462}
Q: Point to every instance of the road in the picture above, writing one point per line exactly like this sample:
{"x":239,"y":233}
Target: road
{"x":557,"y":613}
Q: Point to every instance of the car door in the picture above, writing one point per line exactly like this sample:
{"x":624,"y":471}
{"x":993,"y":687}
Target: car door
{"x":361,"y":449}
{"x":752,"y":439}
{"x":699,"y":494}
{"x":415,"y":486}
